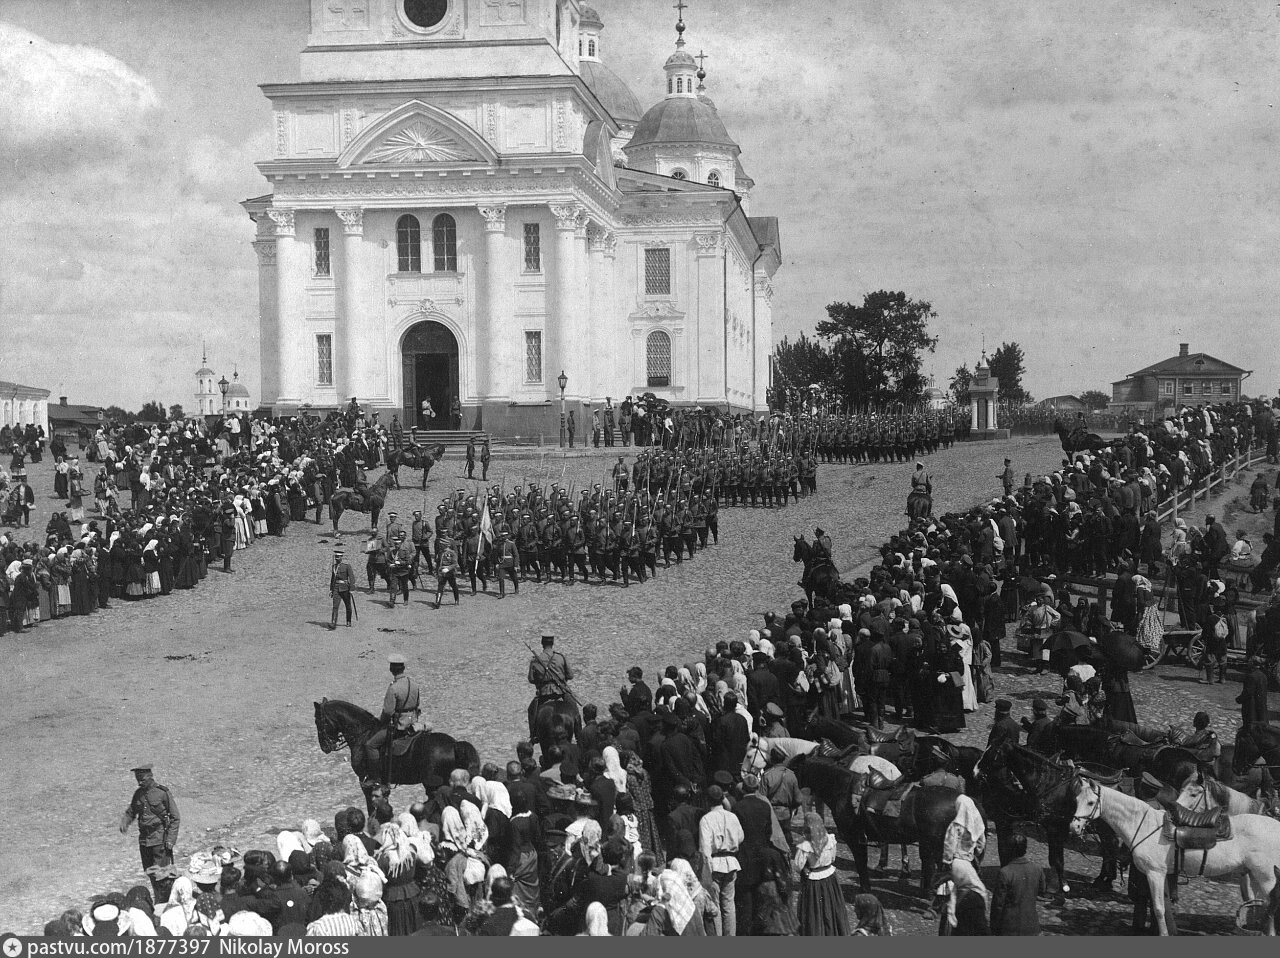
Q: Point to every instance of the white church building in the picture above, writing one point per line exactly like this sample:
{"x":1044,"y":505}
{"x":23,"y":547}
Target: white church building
{"x":466,"y":201}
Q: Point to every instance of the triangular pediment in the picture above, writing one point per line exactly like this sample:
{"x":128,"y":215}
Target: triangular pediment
{"x":417,"y":134}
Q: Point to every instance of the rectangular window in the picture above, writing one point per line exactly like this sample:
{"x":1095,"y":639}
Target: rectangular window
{"x":322,"y":250}
{"x":1167,"y":387}
{"x":657,"y":271}
{"x":532,"y":248}
{"x":1187,"y":389}
{"x":533,"y":356}
{"x":324,"y":359}
{"x":1228,"y":388}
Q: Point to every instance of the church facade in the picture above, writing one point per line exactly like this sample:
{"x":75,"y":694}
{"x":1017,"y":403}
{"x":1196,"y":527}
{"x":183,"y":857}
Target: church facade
{"x":466,"y":202}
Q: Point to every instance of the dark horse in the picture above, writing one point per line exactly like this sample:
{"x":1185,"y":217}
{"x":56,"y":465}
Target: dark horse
{"x":414,"y":457}
{"x":1077,"y":440}
{"x":820,"y":574}
{"x":371,"y":502}
{"x":920,"y":502}
{"x":1171,"y":764}
{"x":431,"y":754}
{"x":1020,"y":787}
{"x":1254,"y":742}
{"x":552,"y":719}
{"x":925,"y":814}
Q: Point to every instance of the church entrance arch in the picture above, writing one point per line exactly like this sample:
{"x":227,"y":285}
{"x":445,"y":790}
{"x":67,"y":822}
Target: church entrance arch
{"x":429,"y":354}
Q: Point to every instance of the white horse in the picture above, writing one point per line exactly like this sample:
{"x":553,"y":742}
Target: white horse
{"x":1251,"y":852}
{"x":758,"y":751}
{"x":1203,"y":792}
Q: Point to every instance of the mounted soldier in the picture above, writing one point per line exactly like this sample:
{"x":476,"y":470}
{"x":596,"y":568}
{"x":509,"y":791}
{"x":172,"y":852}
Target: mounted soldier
{"x":400,"y":712}
{"x":549,"y":674}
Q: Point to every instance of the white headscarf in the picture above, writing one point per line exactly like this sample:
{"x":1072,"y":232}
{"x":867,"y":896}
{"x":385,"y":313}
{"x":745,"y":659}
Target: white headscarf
{"x":613,"y":769}
{"x":492,"y":794}
{"x":969,"y":818}
{"x":597,"y":921}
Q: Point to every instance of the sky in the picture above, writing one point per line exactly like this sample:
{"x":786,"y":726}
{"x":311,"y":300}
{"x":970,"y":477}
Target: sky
{"x":1094,"y":181}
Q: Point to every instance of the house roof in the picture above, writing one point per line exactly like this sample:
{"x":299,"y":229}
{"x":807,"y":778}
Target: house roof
{"x":73,"y":412}
{"x":766,"y":230}
{"x":1193,"y":364}
{"x":27,"y":392}
{"x":1060,"y":400}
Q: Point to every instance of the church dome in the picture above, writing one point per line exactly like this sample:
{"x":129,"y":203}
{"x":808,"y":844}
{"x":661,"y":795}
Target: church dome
{"x":237,"y":389}
{"x":682,"y":120}
{"x":680,"y":59}
{"x":204,"y":371}
{"x":589,"y":18}
{"x":612,"y":92}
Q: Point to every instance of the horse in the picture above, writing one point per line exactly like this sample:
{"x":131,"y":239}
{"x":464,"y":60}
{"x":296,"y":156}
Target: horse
{"x":1019,"y":786}
{"x":933,"y":753}
{"x":414,"y":457}
{"x":1077,"y":440}
{"x":553,"y":717}
{"x":920,"y":502}
{"x":431,"y":755}
{"x":372,"y":501}
{"x":1171,"y":764}
{"x":820,"y":574}
{"x":1255,"y":742}
{"x":1249,"y":854}
{"x":898,"y":747}
{"x":926,"y":812}
{"x":1205,"y":791}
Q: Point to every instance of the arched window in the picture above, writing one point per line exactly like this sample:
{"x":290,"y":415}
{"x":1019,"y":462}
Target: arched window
{"x":657,"y":349}
{"x":579,"y":46}
{"x":591,"y":48}
{"x":444,"y":244}
{"x":669,"y":84}
{"x":408,"y":244}
{"x":679,"y":84}
{"x":679,"y":175}
{"x":713,"y":178}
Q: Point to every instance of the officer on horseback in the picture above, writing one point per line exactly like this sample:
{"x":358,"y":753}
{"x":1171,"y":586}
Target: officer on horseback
{"x":821,"y":545}
{"x":400,"y":712}
{"x":548,"y":674}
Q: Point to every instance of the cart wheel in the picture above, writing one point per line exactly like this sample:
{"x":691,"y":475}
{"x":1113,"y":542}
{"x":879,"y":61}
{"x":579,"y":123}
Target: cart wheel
{"x":1152,"y":657}
{"x":1195,"y":651}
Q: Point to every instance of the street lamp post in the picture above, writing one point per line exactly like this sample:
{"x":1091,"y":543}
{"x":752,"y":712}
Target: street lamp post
{"x":223,"y":386}
{"x":563,"y":380}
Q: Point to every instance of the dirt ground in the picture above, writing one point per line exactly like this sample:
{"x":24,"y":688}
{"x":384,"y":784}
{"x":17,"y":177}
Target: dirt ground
{"x":215,"y":687}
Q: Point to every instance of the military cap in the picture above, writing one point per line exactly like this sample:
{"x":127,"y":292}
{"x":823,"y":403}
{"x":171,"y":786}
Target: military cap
{"x":723,"y":779}
{"x":338,"y":552}
{"x":1003,"y":705}
{"x":396,"y":658}
{"x":141,"y":768}
{"x":1039,"y":705}
{"x":773,"y":709}
{"x":392,"y":515}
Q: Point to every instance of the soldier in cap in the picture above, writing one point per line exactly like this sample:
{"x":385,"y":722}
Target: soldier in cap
{"x":1040,"y":729}
{"x":421,"y":535}
{"x":471,"y":457}
{"x":400,"y":711}
{"x":549,"y":674}
{"x":1004,"y":729}
{"x":157,"y":815}
{"x":485,"y":455}
{"x":399,"y":568}
{"x":446,"y":570}
{"x":342,"y":580}
{"x":508,"y":558}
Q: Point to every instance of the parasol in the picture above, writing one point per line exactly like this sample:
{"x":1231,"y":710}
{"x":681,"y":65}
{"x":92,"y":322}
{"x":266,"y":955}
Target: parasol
{"x":1122,"y":651}
{"x":1062,"y":649}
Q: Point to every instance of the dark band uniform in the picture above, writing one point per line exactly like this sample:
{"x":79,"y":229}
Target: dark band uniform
{"x":155,"y":811}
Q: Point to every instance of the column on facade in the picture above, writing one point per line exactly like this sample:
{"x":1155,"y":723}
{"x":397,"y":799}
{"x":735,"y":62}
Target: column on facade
{"x":558,"y":346}
{"x":495,"y":366}
{"x":711,"y":311}
{"x":346,"y":377}
{"x":291,"y":268}
{"x":601,"y":333}
{"x":269,"y":358}
{"x":991,"y":414}
{"x":973,"y":413}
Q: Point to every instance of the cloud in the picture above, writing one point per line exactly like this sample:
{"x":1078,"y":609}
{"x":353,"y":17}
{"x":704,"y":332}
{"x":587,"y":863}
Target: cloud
{"x":61,"y":97}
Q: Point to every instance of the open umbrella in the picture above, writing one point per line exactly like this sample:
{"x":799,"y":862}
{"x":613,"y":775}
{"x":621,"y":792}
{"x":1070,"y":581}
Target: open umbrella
{"x":1122,"y":651}
{"x":1062,"y":649}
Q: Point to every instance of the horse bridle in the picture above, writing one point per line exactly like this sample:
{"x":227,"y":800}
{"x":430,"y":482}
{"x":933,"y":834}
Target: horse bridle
{"x":336,"y":738}
{"x":1096,"y":812}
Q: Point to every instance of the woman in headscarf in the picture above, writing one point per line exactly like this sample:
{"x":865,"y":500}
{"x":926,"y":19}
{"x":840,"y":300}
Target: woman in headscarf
{"x":872,"y":920}
{"x":967,"y":903}
{"x":367,"y":906}
{"x":60,"y":572}
{"x":674,"y":913}
{"x":822,"y":910}
{"x":288,"y":842}
{"x":738,"y":682}
{"x":527,"y":844}
{"x":640,"y":788}
{"x":597,"y":921}
{"x":83,"y":596}
{"x":357,"y":860}
{"x":962,"y":847}
{"x":495,"y":808}
{"x":702,"y":899}
{"x":151,"y":568}
{"x":398,"y":860}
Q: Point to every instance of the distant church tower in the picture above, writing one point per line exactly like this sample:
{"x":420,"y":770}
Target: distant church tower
{"x":206,"y":389}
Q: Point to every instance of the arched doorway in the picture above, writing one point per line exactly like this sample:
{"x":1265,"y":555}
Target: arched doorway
{"x":429,"y":354}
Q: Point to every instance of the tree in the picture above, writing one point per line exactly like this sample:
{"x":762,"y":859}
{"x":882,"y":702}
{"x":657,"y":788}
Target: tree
{"x":959,"y":385}
{"x":797,"y":366}
{"x":1094,"y":399}
{"x":878,"y":348}
{"x":152,"y":411}
{"x":118,"y":414}
{"x":176,"y":412}
{"x":1007,"y":366}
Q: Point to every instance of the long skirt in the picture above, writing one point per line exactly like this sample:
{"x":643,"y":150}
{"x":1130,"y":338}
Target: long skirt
{"x":47,"y":604}
{"x":822,"y":912}
{"x":32,"y":617}
{"x":64,"y":595}
{"x":524,"y":873}
{"x":244,"y":533}
{"x":152,"y":585}
{"x":949,"y":708}
{"x":260,"y":527}
{"x":83,"y":594}
{"x":76,"y":511}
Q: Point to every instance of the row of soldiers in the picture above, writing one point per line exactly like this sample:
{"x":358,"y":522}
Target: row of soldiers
{"x":884,"y":438}
{"x":732,"y":478}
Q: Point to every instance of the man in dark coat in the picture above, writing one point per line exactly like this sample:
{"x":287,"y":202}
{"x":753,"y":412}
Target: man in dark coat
{"x":1253,"y":697}
{"x":1215,"y":546}
{"x":1014,"y":893}
{"x":762,"y":686}
{"x":639,"y":697}
{"x":1004,"y":729}
{"x":730,"y":736}
{"x":1039,"y":729}
{"x":681,"y":761}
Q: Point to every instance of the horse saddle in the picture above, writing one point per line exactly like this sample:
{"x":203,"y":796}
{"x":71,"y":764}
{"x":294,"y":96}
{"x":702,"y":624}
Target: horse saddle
{"x":1199,"y":829}
{"x":888,"y":802}
{"x":876,"y":736}
{"x":1101,"y":774}
{"x":402,"y":743}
